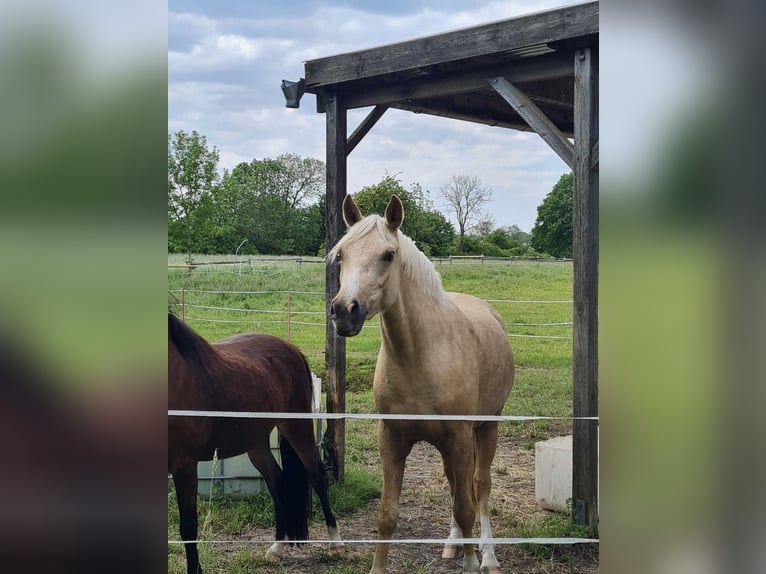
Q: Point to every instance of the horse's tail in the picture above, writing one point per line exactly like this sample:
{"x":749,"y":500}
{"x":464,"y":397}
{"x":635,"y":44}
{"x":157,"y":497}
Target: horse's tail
{"x":295,"y":492}
{"x":295,"y":488}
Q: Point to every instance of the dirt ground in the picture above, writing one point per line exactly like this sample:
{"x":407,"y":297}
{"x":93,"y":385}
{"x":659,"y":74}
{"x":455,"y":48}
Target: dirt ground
{"x":425,"y":513}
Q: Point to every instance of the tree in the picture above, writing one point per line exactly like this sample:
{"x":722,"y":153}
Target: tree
{"x":552,"y":232}
{"x":295,"y":179}
{"x":517,"y":234}
{"x":192,"y":174}
{"x":431,"y":231}
{"x":484,"y":227}
{"x":465,"y":196}
{"x":270,"y":202}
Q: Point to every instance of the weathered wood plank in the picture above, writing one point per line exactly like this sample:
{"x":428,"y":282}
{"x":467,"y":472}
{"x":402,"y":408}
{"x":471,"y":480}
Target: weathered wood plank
{"x":497,"y":37}
{"x":594,"y":156}
{"x":585,"y":293}
{"x":335,"y":346}
{"x":536,"y":119}
{"x":545,"y":67}
{"x":362,"y":129}
{"x":519,"y":124}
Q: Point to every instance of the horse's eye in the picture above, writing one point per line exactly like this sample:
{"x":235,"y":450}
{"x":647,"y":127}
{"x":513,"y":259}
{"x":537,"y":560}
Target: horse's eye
{"x":338,"y":256}
{"x":388,"y":256}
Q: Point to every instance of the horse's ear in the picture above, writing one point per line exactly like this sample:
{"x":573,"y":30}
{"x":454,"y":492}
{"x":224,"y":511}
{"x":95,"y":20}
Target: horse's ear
{"x":394,"y":213}
{"x":351,"y":213}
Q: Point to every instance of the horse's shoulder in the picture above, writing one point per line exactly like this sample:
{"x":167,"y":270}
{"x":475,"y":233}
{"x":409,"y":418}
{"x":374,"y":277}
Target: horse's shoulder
{"x":476,"y":310}
{"x":466,"y":299}
{"x":472,"y":306}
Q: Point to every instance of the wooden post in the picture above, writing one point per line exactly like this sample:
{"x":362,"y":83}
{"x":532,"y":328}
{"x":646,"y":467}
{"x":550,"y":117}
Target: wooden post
{"x":585,"y":292}
{"x":335,"y":346}
{"x":288,"y":315}
{"x":183,"y":304}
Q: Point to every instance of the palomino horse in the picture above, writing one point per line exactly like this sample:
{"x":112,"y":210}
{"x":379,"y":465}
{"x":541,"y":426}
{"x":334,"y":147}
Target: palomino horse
{"x":247,"y":372}
{"x":441,"y":354}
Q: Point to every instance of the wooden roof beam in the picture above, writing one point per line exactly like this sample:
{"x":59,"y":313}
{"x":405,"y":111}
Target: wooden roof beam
{"x":433,"y":85}
{"x":568,"y":22}
{"x":536,"y":119}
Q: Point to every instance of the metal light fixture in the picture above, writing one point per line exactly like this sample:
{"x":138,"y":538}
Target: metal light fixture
{"x":293,"y":91}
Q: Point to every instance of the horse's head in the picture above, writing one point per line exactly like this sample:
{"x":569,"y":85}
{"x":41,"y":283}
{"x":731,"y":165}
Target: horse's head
{"x":369,"y":273}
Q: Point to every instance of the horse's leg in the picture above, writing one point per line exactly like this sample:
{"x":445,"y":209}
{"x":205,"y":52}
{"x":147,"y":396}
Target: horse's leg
{"x":452,"y":550}
{"x":262,"y":459}
{"x":185,"y":479}
{"x":393,"y":453}
{"x":486,"y":443}
{"x":300,"y":435}
{"x":458,"y":455}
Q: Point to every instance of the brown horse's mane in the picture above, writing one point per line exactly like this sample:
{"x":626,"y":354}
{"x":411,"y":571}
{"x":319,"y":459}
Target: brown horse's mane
{"x":190,"y":345}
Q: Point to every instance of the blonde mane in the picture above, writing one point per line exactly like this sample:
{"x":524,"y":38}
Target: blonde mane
{"x":415,"y":264}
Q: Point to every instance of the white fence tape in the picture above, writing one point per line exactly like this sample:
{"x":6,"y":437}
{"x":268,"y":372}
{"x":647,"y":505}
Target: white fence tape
{"x":409,"y":541}
{"x":367,"y":416}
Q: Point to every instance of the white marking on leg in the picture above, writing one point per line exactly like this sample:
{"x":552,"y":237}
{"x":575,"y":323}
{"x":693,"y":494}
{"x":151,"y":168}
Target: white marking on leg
{"x":454,"y":531}
{"x":488,"y":558}
{"x":452,"y":550}
{"x":470,"y":563}
{"x":276,"y":550}
{"x":337,"y":541}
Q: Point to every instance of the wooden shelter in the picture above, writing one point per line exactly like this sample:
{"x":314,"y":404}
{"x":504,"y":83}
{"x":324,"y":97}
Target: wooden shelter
{"x":537,"y":73}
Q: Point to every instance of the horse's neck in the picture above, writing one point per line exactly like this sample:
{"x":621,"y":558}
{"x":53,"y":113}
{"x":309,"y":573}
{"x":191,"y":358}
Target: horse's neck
{"x":414,"y":320}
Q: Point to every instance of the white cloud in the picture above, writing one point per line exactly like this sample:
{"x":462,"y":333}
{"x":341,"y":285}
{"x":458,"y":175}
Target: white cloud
{"x":224,"y":74}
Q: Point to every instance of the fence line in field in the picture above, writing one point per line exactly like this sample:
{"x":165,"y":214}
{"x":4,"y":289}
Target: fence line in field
{"x":380,"y":416}
{"x":440,"y":541}
{"x":285,"y":291}
{"x":300,"y":260}
{"x":290,"y":313}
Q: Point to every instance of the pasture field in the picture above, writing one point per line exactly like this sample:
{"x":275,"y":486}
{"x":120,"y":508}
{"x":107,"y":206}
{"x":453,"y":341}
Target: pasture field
{"x":534,"y":299}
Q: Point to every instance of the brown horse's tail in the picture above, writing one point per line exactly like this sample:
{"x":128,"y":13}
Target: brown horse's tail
{"x":295,"y":493}
{"x":295,"y":488}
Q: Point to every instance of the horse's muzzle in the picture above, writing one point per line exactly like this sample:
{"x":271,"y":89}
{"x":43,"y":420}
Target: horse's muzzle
{"x":348,"y":318}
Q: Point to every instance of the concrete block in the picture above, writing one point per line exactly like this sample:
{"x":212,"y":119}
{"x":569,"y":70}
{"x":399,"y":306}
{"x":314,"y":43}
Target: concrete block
{"x":553,"y":473}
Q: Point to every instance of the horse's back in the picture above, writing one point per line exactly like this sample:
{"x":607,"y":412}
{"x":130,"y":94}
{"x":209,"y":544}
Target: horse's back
{"x":269,"y":370}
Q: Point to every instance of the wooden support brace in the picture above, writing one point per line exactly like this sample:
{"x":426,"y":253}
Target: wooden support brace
{"x":536,"y":119}
{"x":363,"y":128}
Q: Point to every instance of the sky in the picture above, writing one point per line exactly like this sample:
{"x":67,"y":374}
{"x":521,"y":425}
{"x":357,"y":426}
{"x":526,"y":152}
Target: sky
{"x":226,"y":61}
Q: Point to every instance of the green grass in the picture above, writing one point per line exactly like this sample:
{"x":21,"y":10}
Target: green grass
{"x":229,"y":517}
{"x":543,"y":379}
{"x":267,"y":312}
{"x":554,"y":525}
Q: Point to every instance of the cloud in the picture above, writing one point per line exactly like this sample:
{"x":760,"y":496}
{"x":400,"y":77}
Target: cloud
{"x":224,"y":71}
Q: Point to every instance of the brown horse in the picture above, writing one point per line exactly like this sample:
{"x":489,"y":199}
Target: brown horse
{"x":248,"y":372}
{"x":441,"y":354}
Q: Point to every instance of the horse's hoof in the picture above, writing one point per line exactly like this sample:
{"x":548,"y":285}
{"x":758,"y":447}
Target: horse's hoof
{"x":452,"y":551}
{"x":340,"y":549}
{"x":273,"y":557}
{"x":491,"y":570}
